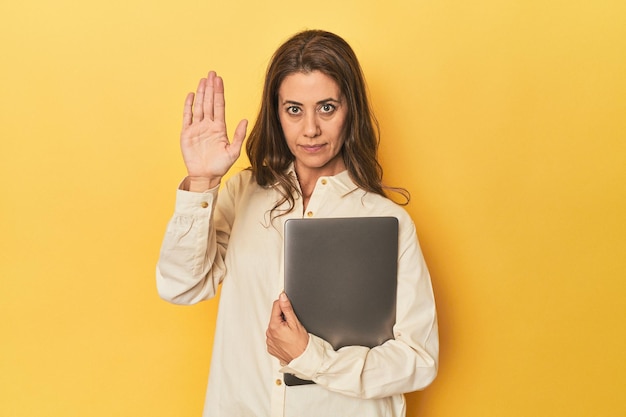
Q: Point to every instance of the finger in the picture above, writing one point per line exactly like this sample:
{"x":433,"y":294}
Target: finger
{"x":219,"y":105}
{"x":209,"y":96}
{"x":198,"y":112}
{"x":239,"y":136}
{"x":187,"y":114}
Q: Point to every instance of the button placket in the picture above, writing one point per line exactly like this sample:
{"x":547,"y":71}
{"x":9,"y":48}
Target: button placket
{"x":319,"y":191}
{"x":277,"y":405}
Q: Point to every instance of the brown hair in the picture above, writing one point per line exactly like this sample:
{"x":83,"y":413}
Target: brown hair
{"x":307,"y":51}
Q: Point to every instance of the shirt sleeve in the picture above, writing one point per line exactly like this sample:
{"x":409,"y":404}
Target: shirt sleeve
{"x":404,"y":364}
{"x":191,"y":261}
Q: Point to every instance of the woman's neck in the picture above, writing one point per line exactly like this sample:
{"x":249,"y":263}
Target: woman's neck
{"x":307,"y":178}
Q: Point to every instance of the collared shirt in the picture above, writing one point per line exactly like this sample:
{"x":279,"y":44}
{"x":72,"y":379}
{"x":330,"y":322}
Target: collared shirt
{"x":230,"y":238}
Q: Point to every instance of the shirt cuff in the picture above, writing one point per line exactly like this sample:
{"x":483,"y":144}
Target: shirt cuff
{"x":308,"y":364}
{"x":189,"y":203}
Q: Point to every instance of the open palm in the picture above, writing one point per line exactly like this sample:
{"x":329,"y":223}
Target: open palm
{"x":207,"y":151}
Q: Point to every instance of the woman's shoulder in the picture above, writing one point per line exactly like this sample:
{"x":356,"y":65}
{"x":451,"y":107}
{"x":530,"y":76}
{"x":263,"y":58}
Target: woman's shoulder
{"x":238,"y":184}
{"x":393,"y":208}
{"x":367,"y":203}
{"x":239,"y":179}
{"x":369,"y":200}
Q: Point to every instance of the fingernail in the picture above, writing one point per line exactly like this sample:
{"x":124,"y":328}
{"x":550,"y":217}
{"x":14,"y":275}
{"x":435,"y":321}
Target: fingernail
{"x":283,"y":296}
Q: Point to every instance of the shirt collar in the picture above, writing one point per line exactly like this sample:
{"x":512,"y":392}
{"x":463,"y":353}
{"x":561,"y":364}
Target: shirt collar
{"x":341,"y":181}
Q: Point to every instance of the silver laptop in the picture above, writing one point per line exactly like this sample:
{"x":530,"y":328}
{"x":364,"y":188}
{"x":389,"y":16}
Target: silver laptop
{"x":341,"y":278}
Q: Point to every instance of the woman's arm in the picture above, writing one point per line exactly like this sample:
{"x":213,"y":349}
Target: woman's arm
{"x":191,"y":263}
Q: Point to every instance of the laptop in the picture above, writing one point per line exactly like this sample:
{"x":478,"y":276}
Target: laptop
{"x":341,"y":278}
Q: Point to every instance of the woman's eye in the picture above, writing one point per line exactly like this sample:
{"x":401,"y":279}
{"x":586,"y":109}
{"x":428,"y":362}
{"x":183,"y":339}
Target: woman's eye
{"x":327,"y":108}
{"x":293,"y":110}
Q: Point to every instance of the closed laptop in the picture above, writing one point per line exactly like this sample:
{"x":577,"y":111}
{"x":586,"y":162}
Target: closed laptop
{"x":341,"y":278}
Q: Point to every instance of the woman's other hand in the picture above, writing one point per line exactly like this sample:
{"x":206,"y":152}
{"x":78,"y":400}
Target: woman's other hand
{"x":286,"y":337}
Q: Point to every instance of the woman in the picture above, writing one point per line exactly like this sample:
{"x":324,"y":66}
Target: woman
{"x":313,"y":154}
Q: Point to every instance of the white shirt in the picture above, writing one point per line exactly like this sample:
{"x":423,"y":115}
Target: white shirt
{"x":230,"y":240}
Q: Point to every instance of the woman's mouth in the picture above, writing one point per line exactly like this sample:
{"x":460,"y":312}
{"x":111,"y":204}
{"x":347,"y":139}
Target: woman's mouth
{"x":312,"y":148}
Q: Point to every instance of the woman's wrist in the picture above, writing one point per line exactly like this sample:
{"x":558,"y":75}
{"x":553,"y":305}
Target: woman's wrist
{"x":200,"y":184}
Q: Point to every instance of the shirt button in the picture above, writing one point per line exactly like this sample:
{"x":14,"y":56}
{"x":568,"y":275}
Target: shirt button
{"x":310,"y":214}
{"x":204,"y":204}
{"x":279,"y":382}
{"x":324,"y":181}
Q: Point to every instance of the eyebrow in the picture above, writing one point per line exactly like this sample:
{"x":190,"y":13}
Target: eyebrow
{"x":326,"y":100}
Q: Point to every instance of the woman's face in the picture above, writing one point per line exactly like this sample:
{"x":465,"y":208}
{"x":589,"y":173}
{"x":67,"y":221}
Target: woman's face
{"x":312,"y":114}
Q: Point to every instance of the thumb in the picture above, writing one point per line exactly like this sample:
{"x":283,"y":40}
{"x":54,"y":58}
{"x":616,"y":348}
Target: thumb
{"x":287,"y":309}
{"x":240,"y":134}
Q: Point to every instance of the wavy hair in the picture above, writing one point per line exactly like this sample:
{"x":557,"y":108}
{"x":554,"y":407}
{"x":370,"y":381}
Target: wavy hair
{"x":267,"y":150}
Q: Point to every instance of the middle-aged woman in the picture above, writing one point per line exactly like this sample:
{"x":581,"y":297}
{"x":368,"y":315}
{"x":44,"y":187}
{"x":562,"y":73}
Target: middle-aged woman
{"x":312,"y":152}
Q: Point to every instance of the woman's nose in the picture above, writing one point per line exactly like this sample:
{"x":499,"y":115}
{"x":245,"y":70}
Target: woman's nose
{"x":311,"y":126}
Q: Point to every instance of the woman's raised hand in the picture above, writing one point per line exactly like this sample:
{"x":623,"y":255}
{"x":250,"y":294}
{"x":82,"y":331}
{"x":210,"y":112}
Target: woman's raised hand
{"x":207,"y":151}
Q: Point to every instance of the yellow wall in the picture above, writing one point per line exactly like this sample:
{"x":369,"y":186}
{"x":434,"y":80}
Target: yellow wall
{"x":505,"y":119}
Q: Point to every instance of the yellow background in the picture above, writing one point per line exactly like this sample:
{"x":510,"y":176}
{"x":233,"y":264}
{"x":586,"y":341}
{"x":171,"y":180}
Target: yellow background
{"x":506,"y":120}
